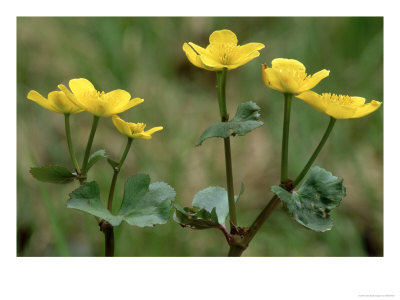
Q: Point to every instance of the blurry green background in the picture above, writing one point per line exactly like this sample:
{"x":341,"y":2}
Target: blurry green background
{"x":144,"y":56}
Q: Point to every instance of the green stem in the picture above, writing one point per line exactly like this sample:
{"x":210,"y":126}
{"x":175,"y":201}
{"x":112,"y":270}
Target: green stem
{"x":106,"y":227}
{"x":262,"y":217}
{"x":221,"y":81}
{"x":69,"y":141}
{"x":316,"y":152}
{"x":116,"y":172}
{"x":285,"y":138}
{"x":89,"y":144}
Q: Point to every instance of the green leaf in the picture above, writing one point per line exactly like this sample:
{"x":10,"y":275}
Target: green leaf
{"x":196,"y":218}
{"x":95,"y":157}
{"x":210,"y":209}
{"x":213,"y":197}
{"x":53,"y":174}
{"x":87,"y":199}
{"x":144,"y":204}
{"x":245,"y":120}
{"x":318,"y":195}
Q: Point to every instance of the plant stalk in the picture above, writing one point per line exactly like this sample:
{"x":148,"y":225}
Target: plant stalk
{"x":106,"y":227}
{"x":89,"y":144}
{"x":115,"y":175}
{"x":221,"y":81}
{"x":285,"y":138}
{"x":69,"y":141}
{"x":263,"y":216}
{"x":316,"y":152}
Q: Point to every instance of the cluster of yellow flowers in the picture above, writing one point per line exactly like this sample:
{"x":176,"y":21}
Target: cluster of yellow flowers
{"x":83,"y":96}
{"x":286,"y":75}
{"x":223,"y":52}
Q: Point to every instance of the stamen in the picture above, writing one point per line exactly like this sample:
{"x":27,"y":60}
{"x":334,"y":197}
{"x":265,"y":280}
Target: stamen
{"x":138,"y":128}
{"x":338,"y":99}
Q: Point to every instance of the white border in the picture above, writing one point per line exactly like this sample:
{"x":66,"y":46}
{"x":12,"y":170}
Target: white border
{"x":218,"y":278}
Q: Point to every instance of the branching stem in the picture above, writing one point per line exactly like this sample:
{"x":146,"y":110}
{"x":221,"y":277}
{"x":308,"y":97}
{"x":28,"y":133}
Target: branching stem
{"x":106,"y":227}
{"x":237,"y":250}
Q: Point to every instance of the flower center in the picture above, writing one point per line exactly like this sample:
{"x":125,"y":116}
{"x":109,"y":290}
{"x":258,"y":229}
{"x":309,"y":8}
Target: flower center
{"x":342,"y":100}
{"x":223,"y":52}
{"x":298,"y":75}
{"x":138,"y":127}
{"x":96,"y":95}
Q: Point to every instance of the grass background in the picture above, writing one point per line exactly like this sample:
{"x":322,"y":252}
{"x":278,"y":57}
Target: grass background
{"x":144,"y":56}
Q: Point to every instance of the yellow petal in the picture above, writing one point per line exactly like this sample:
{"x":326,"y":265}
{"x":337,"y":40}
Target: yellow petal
{"x":117,"y":98}
{"x":81,"y":86}
{"x":154,"y":129}
{"x":210,"y":63}
{"x":192,"y":56}
{"x":122,"y":126}
{"x":223,"y":37}
{"x":98,"y":108}
{"x":314,"y":99}
{"x":130,"y":104}
{"x":338,"y":111}
{"x":288,"y":83}
{"x":243,"y":60}
{"x":358,"y":101}
{"x":312,"y":81}
{"x":197,"y":49}
{"x":71,"y":97}
{"x":60,"y":100}
{"x":271,"y":78}
{"x":42,"y":101}
{"x":367,"y":109}
{"x":141,"y":136}
{"x":248,"y":49}
{"x":288,"y":64}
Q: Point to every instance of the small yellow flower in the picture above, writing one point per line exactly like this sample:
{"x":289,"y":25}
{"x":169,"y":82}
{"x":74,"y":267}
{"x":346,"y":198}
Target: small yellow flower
{"x":289,"y":76}
{"x":56,"y":101}
{"x":339,"y":106}
{"x":134,"y":130}
{"x":100,"y":104}
{"x":222,"y":52}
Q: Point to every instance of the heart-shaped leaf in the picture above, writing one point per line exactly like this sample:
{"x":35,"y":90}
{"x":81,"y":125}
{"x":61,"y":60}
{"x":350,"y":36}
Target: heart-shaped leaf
{"x":143,"y":204}
{"x":318,"y":195}
{"x":87,"y":199}
{"x":210,"y":209}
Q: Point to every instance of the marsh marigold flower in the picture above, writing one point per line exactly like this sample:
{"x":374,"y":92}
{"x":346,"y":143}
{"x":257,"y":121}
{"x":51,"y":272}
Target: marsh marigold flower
{"x":339,"y":106}
{"x":289,"y":76}
{"x":100,"y":104}
{"x":56,"y":101}
{"x":222,"y":52}
{"x":134,"y":130}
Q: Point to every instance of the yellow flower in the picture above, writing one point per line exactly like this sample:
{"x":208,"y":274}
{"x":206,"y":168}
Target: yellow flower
{"x":289,"y":76}
{"x":100,"y":104}
{"x":56,"y":101}
{"x":222,"y":52}
{"x":134,"y":130}
{"x":339,"y":106}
